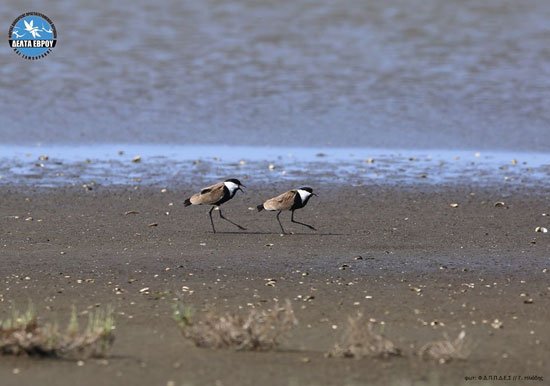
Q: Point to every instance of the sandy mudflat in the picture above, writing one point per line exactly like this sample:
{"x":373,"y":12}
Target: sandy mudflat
{"x":429,"y":268}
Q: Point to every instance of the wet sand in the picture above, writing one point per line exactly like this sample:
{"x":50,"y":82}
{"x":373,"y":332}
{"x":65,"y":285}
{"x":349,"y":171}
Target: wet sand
{"x":427,"y":269}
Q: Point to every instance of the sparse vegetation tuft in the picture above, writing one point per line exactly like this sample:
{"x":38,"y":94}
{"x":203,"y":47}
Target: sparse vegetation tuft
{"x":259,"y":331}
{"x":360,"y":341}
{"x":21,"y":334}
{"x":446,"y":350}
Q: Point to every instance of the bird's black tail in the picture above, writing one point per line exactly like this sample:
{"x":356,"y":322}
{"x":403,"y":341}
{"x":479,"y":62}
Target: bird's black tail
{"x":260,"y":207}
{"x":187,"y":202}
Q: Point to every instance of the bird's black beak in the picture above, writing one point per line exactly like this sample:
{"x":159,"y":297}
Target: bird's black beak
{"x":313,"y":194}
{"x":240,"y":188}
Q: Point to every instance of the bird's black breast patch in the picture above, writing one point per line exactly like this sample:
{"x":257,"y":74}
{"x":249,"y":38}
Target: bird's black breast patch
{"x":226,"y":196}
{"x":297,"y":202}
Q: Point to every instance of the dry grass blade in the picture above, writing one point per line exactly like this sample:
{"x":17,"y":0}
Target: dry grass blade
{"x":360,"y":340}
{"x":259,"y":331}
{"x":22,"y":334}
{"x":446,"y":350}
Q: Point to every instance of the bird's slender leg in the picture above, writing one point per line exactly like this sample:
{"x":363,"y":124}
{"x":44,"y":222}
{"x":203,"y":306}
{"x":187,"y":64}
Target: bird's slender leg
{"x":226,"y":219}
{"x":301,"y":223}
{"x":281,"y":225}
{"x":212,"y":221}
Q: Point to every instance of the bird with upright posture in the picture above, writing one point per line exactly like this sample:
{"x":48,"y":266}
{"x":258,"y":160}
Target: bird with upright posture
{"x":216,"y":195}
{"x":291,"y":200}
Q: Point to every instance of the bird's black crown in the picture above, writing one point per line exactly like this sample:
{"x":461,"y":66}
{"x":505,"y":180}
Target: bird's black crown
{"x":234,"y":180}
{"x":307,"y":189}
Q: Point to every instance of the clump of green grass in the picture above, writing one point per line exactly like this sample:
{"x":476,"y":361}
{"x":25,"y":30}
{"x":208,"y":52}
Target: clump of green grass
{"x":360,"y":340}
{"x":446,"y":349}
{"x":21,"y":334}
{"x":259,"y":331}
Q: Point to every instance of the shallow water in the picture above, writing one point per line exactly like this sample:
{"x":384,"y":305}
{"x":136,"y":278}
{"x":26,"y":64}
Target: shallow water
{"x":451,"y":74}
{"x":177,"y":165}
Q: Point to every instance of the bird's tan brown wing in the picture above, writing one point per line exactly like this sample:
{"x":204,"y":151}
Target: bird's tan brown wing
{"x":281,"y":202}
{"x":209,"y":195}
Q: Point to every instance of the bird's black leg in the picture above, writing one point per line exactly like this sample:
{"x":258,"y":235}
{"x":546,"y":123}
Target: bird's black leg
{"x":212,"y":221}
{"x":226,"y":219}
{"x":301,"y":223}
{"x":281,"y":225}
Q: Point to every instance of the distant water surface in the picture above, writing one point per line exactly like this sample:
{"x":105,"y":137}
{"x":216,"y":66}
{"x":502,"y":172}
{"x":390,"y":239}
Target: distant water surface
{"x":453,"y":74}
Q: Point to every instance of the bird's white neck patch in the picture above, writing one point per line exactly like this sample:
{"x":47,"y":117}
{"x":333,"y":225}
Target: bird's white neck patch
{"x":303,"y":194}
{"x":231,"y":186}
